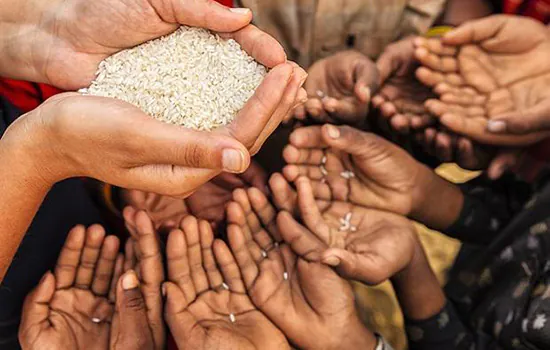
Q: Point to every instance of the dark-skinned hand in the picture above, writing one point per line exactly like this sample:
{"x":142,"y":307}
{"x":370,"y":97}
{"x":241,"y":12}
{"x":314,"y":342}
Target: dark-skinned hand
{"x":486,"y":71}
{"x":207,"y":306}
{"x":339,"y":89}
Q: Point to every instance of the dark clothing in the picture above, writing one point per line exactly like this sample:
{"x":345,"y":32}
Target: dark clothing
{"x":66,"y":205}
{"x":499,"y":293}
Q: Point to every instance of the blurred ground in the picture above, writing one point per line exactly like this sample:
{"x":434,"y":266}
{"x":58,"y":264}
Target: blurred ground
{"x":378,"y":306}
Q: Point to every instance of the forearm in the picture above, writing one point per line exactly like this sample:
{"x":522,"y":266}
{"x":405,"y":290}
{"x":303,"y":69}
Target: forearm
{"x":22,"y":193}
{"x":418,"y":290}
{"x":437,"y":203}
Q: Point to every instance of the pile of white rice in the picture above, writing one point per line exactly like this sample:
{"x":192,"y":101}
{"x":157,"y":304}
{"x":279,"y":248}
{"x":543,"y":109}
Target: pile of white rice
{"x":191,"y":77}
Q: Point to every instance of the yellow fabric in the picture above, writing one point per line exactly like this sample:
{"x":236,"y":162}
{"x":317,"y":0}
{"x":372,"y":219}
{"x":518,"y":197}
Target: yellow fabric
{"x":378,"y":306}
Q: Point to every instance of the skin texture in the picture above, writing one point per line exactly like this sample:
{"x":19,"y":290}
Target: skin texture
{"x":84,"y":33}
{"x":150,"y":156}
{"x":58,"y":313}
{"x":401,"y":96}
{"x":198,"y":307}
{"x":143,"y":254}
{"x":313,"y":317}
{"x":208,"y":202}
{"x":485,"y":70}
{"x":339,"y":89}
{"x":385,"y":176}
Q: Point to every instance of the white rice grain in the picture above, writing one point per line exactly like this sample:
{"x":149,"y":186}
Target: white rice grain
{"x":191,"y":77}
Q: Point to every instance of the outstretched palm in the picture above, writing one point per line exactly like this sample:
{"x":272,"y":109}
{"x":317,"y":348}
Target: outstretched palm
{"x":504,"y":69}
{"x":203,"y":311}
{"x":73,"y":308}
{"x":358,"y":168}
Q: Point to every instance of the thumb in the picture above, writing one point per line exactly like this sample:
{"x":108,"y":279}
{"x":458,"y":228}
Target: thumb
{"x":204,"y":14}
{"x":355,"y":142}
{"x":36,"y":308}
{"x":130,"y":306}
{"x":534,"y":119}
{"x":356,"y":267}
{"x":366,"y":78}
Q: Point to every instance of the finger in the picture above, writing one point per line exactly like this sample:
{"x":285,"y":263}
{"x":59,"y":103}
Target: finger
{"x":352,"y":266}
{"x":117,"y":272}
{"x":36,"y":309}
{"x":69,"y":258}
{"x":285,"y":107}
{"x":130,"y":259}
{"x":267,"y":214}
{"x":258,"y":111}
{"x":302,"y":241}
{"x":307,"y":137}
{"x":400,"y":123}
{"x":247,"y":265}
{"x":178,"y":264}
{"x":284,"y":197}
{"x":310,"y":212}
{"x":129,"y":214}
{"x":435,"y":62}
{"x":132,"y":311}
{"x":435,"y":45}
{"x":476,"y":129}
{"x":263,"y":47}
{"x":152,"y":272}
{"x":94,"y":240}
{"x":432,"y":78}
{"x":105,"y":266}
{"x":209,"y":263}
{"x":300,"y":112}
{"x":443,"y":147}
{"x":312,"y":156}
{"x":205,"y":14}
{"x":535,"y":119}
{"x":198,"y":241}
{"x":229,"y":267}
{"x":504,"y":161}
{"x":366,"y":78}
{"x":475,"y":31}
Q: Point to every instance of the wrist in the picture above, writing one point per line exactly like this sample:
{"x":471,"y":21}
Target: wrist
{"x":436,"y":202}
{"x":356,"y":336}
{"x":417,"y":288}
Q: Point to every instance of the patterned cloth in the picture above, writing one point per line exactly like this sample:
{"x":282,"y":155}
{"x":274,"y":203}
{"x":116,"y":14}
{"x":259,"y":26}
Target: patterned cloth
{"x":313,"y":29}
{"x":498,"y":294}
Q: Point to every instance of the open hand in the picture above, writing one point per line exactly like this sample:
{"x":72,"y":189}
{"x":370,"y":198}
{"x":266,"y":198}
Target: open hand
{"x":347,"y":165}
{"x":339,"y":89}
{"x":73,"y":307}
{"x":319,"y":310}
{"x":486,"y":70}
{"x":401,"y":96}
{"x":367,"y":245}
{"x":206,"y":302}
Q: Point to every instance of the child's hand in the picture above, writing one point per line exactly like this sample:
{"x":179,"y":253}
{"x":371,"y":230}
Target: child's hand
{"x":401,"y":96}
{"x":345,"y":164}
{"x":485,"y":72}
{"x":207,"y":306}
{"x":366,"y":245}
{"x":339,"y":89}
{"x":308,"y":301}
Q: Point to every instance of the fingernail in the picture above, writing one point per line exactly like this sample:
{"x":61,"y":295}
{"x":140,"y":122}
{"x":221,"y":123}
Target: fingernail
{"x":331,"y":261}
{"x":496,"y":126}
{"x":333,"y":131}
{"x":304,"y":78}
{"x":44,"y":277}
{"x":240,"y":10}
{"x":163,"y":289}
{"x":232,"y":160}
{"x":365,"y":90}
{"x":130,"y":281}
